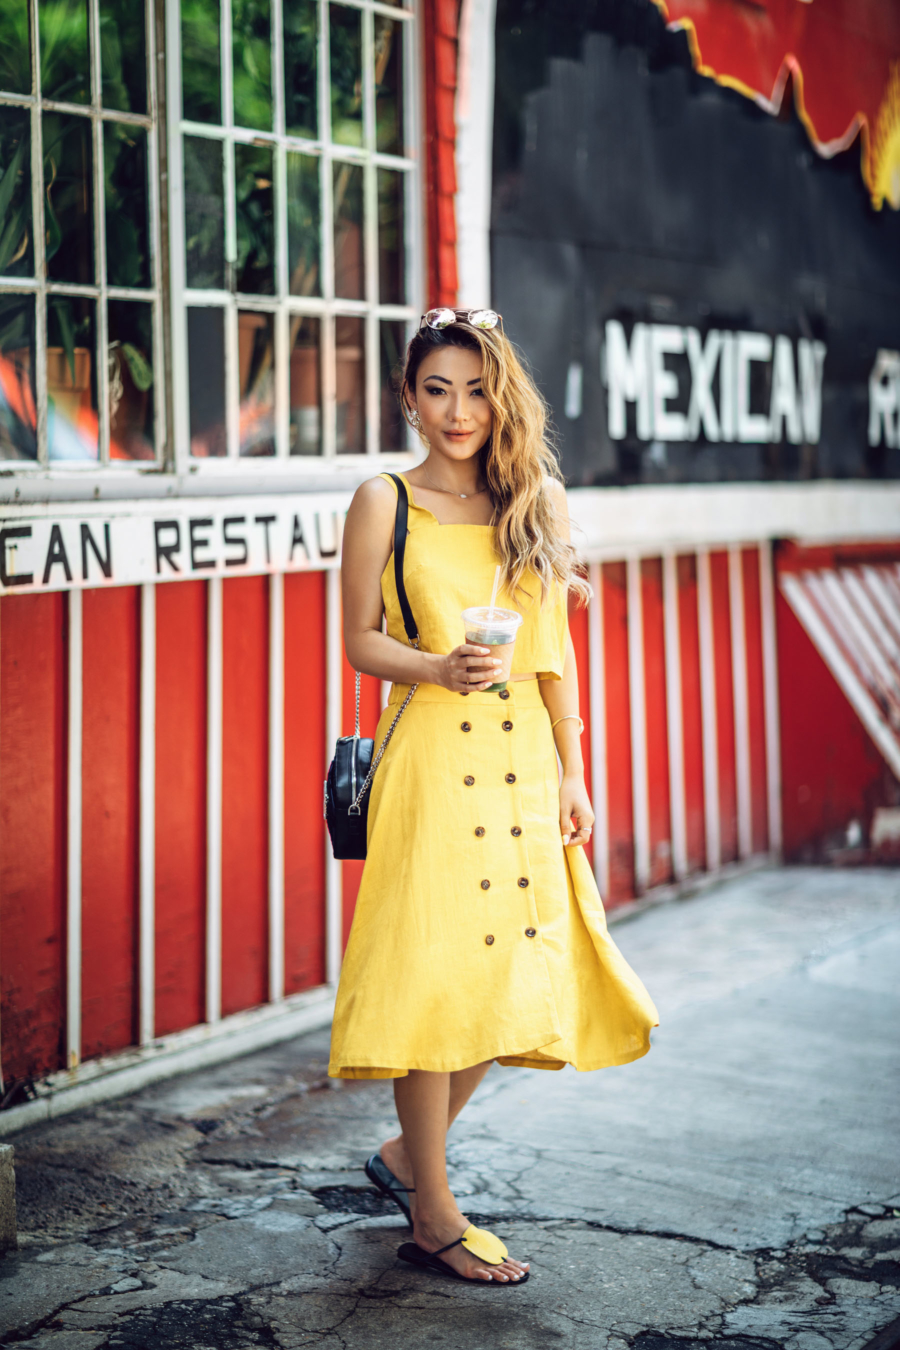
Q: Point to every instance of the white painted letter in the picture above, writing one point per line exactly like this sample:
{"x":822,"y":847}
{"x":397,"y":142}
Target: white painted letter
{"x":785,"y":406}
{"x":665,"y":339}
{"x":751,"y":427}
{"x":884,"y":399}
{"x":627,"y":379}
{"x":727,"y":394}
{"x":811,"y":357}
{"x":703,"y":368}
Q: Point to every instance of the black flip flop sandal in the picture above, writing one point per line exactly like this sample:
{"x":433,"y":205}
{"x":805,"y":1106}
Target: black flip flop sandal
{"x":472,"y":1239}
{"x":383,"y":1179}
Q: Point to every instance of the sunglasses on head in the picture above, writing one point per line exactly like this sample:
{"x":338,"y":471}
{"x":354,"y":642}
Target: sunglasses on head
{"x":476,"y":318}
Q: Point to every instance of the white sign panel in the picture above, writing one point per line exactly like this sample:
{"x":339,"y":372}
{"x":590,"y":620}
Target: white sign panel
{"x":58,"y":547}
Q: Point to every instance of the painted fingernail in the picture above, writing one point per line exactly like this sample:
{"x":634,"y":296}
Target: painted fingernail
{"x":565,"y":838}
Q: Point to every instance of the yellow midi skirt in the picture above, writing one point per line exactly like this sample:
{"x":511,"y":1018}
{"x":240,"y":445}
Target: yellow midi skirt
{"x":477,"y":935}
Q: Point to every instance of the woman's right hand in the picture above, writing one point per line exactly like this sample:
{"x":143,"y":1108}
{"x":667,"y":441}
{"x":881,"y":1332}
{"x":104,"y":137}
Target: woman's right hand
{"x":467,"y":669}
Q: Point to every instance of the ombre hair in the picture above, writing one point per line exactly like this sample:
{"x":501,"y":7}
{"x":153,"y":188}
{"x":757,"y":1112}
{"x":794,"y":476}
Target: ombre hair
{"x":517,"y":459}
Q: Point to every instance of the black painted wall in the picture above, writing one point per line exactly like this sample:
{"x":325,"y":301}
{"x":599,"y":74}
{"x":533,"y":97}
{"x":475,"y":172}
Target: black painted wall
{"x":627,"y":186}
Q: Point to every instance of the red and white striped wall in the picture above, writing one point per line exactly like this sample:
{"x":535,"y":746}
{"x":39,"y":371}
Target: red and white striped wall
{"x":167,"y":896}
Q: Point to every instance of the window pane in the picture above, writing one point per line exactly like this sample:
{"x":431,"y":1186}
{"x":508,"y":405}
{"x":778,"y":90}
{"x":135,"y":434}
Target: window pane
{"x":251,"y":46}
{"x":204,"y":212}
{"x":72,"y":422}
{"x":256,"y":360}
{"x":255,"y":219}
{"x":125,"y":170}
{"x":201,"y":81}
{"x":301,"y":33}
{"x":349,"y":278}
{"x":346,"y":75}
{"x":18,"y":418}
{"x":303,"y":224}
{"x":130,"y":355}
{"x":392,"y":350}
{"x":206,"y":381}
{"x":65,"y":70}
{"x":350,"y":374}
{"x":391,"y":287}
{"x":16,"y":255}
{"x":306,"y":383}
{"x":15,"y":63}
{"x":68,"y":198}
{"x":388,"y":85}
{"x":123,"y":56}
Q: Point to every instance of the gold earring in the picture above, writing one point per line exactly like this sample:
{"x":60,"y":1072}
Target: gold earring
{"x":417,"y":421}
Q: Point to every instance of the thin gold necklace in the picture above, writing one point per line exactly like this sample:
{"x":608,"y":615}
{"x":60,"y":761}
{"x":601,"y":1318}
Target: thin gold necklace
{"x":452,"y":493}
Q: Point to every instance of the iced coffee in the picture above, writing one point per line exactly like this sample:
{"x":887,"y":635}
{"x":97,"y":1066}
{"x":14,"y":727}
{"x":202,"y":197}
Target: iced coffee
{"x":495,"y":629}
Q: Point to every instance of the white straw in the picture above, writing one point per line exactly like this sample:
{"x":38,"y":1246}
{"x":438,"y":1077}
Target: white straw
{"x":494,"y":591}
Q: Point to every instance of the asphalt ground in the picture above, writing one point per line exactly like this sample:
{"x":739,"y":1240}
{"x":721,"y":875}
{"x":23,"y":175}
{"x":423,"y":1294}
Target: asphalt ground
{"x":739,"y":1188}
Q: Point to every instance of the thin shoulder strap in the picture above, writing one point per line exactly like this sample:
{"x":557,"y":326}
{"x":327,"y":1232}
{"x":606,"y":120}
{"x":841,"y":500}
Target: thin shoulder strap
{"x":400,"y":521}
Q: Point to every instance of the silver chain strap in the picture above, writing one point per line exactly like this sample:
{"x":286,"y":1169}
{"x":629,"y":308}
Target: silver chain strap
{"x":353,"y":809}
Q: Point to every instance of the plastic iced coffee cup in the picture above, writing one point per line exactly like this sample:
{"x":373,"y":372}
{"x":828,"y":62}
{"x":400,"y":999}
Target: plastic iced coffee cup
{"x":495,"y":629}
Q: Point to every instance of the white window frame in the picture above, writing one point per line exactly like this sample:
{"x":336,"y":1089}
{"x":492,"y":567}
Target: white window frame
{"x":282,"y":305}
{"x":41,"y":288}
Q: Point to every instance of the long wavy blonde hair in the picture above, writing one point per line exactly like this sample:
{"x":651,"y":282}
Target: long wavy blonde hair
{"x":517,"y":459}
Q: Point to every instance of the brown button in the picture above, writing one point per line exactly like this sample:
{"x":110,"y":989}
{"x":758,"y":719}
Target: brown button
{"x":510,"y":778}
{"x":468,"y":780}
{"x":523,"y":881}
{"x":531,"y":932}
{"x":485,"y":885}
{"x":507,"y":726}
{"x":479,"y":832}
{"x":515,"y":832}
{"x":504,"y":693}
{"x":465,"y":726}
{"x":489,"y":939}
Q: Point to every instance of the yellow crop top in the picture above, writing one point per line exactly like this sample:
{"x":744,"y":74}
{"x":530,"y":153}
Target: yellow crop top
{"x":447,"y":569}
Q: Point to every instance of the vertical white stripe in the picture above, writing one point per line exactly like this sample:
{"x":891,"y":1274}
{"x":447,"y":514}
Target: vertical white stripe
{"x":741,"y":700}
{"x":334,"y":918}
{"x":770,"y":696}
{"x":73,"y":859}
{"x":214,"y":800}
{"x":276,"y":787}
{"x":674,"y":717}
{"x":179,"y":449}
{"x":708,"y":712}
{"x":597,"y":703}
{"x":637,"y":697}
{"x":147,"y":825}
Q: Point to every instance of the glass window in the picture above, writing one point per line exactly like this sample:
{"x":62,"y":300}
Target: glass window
{"x":18,"y":403}
{"x":306,"y":385}
{"x":86,"y":285}
{"x":296,"y":242}
{"x":206,"y":369}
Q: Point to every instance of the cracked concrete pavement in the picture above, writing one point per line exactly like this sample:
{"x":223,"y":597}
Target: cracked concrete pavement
{"x":736,"y":1189}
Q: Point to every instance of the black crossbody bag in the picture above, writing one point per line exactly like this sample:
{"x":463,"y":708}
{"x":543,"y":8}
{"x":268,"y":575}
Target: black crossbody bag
{"x":351,"y":771}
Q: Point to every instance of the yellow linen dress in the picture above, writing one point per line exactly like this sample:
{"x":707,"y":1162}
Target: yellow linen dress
{"x":476,"y":935}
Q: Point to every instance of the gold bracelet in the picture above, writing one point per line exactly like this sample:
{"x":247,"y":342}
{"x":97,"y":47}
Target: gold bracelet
{"x":554,"y":725}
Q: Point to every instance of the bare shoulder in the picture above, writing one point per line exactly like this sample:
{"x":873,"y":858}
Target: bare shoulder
{"x":370,"y":518}
{"x":556,"y":491}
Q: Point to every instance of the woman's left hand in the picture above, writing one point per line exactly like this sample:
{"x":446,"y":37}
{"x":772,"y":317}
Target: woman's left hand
{"x":574,"y":804}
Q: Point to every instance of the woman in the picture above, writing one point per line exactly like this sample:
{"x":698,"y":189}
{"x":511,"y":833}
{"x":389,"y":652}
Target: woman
{"x":479,"y":934}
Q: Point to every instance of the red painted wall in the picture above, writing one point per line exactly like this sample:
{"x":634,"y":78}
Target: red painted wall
{"x":33,"y":663}
{"x":245,"y":792}
{"x":657,"y":723}
{"x":692,"y":724}
{"x":721,"y":613}
{"x":755,"y":702}
{"x":304,"y":772}
{"x":618,"y":734}
{"x":440,"y":20}
{"x":109,"y":803}
{"x":180,"y":855}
